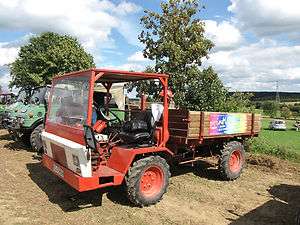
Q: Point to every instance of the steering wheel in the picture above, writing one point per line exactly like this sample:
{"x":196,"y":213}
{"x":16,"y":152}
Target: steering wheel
{"x":107,"y":118}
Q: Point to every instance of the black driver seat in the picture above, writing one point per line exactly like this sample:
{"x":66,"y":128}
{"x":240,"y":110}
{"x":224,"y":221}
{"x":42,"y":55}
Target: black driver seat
{"x":139,"y":130}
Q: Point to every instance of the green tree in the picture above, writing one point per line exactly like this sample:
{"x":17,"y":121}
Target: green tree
{"x":48,"y":55}
{"x":151,"y":88}
{"x":239,"y":102}
{"x":205,"y":93}
{"x":286,"y":112}
{"x":175,"y":40}
{"x":271,"y":108}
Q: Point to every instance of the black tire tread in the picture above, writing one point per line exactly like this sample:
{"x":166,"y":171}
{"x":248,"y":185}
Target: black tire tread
{"x":35,"y":134}
{"x":225,"y":154}
{"x":133,"y":176}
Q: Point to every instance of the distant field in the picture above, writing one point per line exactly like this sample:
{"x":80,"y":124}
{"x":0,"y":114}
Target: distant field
{"x":282,"y":144}
{"x":289,"y":138}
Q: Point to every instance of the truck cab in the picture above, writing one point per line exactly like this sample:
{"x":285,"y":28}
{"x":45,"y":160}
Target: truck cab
{"x":10,"y":111}
{"x":87,"y":143}
{"x":27,"y":122}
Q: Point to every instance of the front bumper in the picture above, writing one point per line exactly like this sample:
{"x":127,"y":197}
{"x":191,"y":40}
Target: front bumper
{"x":14,"y":123}
{"x":74,"y":180}
{"x":82,"y":183}
{"x":279,"y":128}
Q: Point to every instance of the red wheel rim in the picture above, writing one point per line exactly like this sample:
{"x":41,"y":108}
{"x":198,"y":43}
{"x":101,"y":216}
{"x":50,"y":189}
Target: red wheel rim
{"x":235,"y":161}
{"x":151,"y":181}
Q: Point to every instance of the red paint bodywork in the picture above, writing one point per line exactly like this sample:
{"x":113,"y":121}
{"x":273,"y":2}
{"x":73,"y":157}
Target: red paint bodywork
{"x":81,"y":183}
{"x":121,"y":158}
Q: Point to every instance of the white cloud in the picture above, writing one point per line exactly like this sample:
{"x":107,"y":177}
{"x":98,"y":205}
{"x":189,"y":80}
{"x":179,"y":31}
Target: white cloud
{"x":7,"y":53}
{"x":129,"y":67}
{"x":258,"y":66}
{"x":137,"y":57}
{"x":92,"y":21}
{"x":224,"y":34}
{"x":266,"y":17}
{"x":4,"y":78}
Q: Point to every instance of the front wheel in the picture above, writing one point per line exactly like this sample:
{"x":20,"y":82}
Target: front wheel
{"x":36,"y":140}
{"x":232,"y":160}
{"x":147,"y":181}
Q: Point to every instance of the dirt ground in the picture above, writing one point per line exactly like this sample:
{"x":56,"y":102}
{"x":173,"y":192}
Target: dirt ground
{"x":268,"y":192}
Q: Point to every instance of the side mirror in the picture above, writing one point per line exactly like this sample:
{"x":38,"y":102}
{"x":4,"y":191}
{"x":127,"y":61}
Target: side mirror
{"x":89,"y":137}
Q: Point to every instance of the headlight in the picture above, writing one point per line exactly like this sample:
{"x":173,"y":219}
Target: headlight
{"x":75,"y":160}
{"x":30,"y":114}
{"x":23,"y":110}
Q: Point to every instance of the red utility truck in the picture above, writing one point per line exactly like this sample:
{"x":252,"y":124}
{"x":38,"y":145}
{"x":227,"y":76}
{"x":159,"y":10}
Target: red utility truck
{"x":89,"y":146}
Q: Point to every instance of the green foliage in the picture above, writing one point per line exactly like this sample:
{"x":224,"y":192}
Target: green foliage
{"x":263,"y":145}
{"x":206,"y":93}
{"x":286,"y":112}
{"x":270,"y":108}
{"x":282,"y":144}
{"x":150,"y":87}
{"x":175,"y":40}
{"x":239,"y":102}
{"x":48,"y":55}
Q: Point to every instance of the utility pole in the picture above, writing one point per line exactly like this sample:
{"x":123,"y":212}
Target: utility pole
{"x":277,"y":92}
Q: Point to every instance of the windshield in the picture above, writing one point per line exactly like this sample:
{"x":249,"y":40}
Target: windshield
{"x":69,"y":101}
{"x":38,"y":94}
{"x":21,"y":96}
{"x":279,"y":122}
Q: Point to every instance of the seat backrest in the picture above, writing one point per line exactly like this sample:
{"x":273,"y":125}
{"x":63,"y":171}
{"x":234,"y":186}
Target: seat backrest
{"x":144,"y":116}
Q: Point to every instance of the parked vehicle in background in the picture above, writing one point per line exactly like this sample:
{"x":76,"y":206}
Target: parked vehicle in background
{"x":5,"y":100}
{"x":277,"y":125}
{"x":27,"y":123}
{"x":15,"y":107}
{"x":89,"y":146}
{"x":297,"y":125}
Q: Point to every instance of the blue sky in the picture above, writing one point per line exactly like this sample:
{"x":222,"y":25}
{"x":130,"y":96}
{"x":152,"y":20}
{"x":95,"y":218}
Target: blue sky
{"x":256,"y":41}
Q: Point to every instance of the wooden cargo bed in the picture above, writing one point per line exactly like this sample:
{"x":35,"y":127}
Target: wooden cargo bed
{"x":194,"y":126}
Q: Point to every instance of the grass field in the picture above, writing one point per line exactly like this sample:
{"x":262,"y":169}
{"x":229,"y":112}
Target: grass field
{"x":284,"y":144}
{"x":289,"y":138}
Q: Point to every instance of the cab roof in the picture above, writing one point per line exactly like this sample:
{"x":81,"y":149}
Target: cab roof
{"x":115,"y":76}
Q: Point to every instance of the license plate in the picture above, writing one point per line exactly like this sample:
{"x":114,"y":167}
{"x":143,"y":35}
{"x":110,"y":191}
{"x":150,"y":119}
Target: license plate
{"x":58,"y":170}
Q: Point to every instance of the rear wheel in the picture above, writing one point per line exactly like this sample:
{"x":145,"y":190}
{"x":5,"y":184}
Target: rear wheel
{"x":36,"y":140}
{"x":147,"y":180}
{"x":232,"y":160}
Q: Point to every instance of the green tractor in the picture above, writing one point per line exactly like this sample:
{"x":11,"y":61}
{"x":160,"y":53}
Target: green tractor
{"x":28,"y":122}
{"x":5,"y":101}
{"x":10,"y":111}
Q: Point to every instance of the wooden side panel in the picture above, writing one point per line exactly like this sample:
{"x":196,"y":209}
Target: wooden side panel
{"x":178,"y":122}
{"x":187,"y":124}
{"x":257,"y":123}
{"x":195,"y":118}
